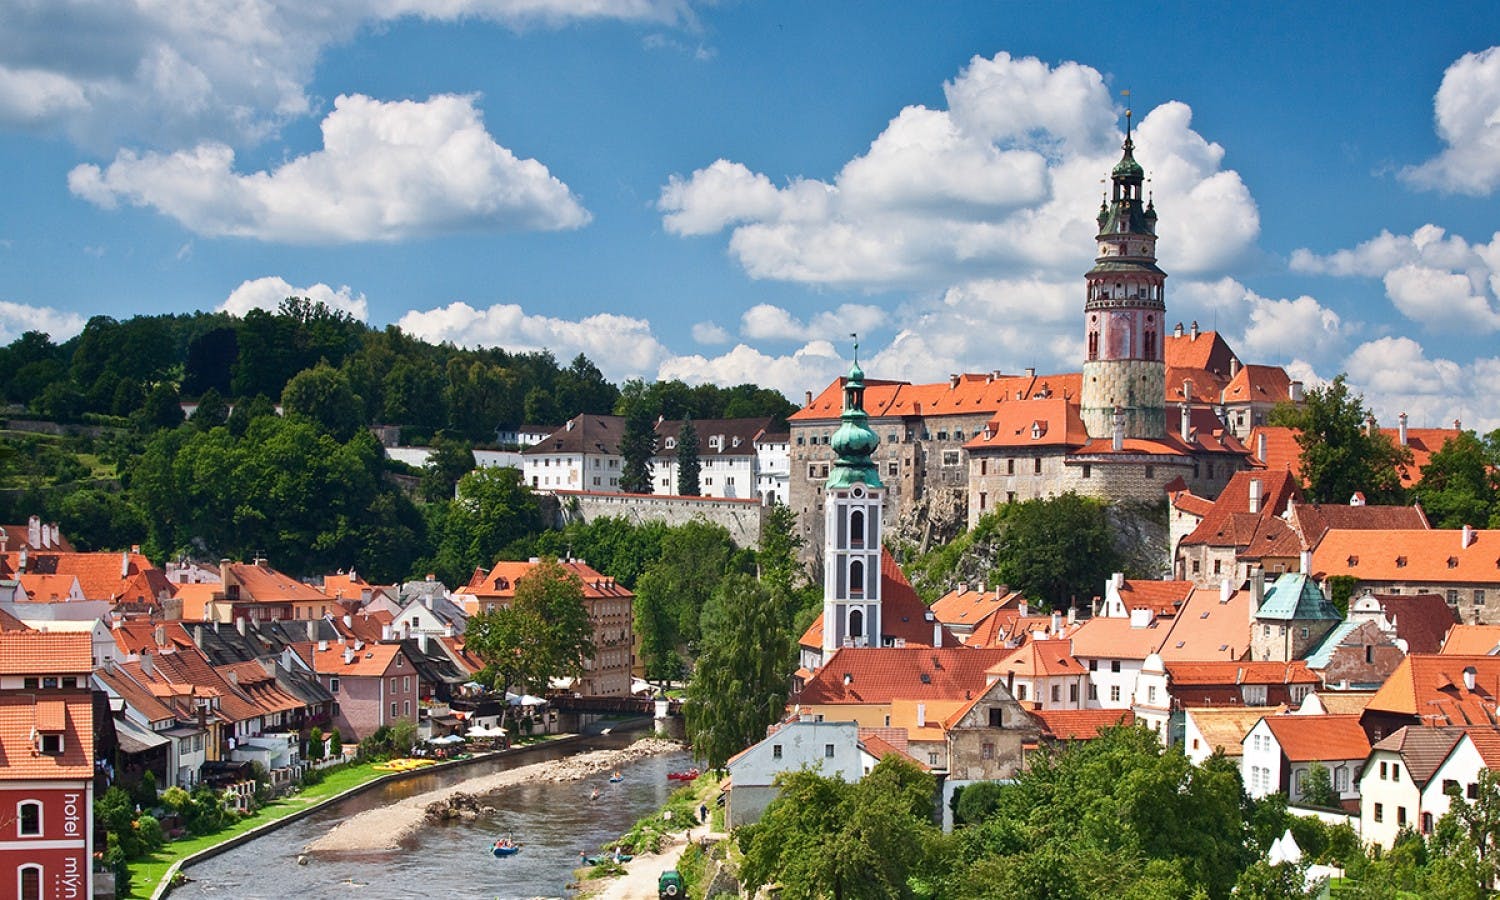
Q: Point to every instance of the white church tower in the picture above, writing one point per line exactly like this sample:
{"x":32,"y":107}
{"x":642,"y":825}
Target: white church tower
{"x":852,"y":528}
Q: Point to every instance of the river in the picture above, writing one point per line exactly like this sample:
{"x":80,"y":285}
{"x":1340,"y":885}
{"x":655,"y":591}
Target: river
{"x":553,"y":822}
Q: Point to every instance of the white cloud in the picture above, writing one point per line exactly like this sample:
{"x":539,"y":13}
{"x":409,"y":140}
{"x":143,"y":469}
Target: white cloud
{"x":709,"y":333}
{"x":387,"y":171}
{"x":18,"y":318}
{"x":1279,"y":329}
{"x":1395,"y":375}
{"x":811,"y":367}
{"x":170,"y":74}
{"x":268,"y":292}
{"x":1467,"y":113}
{"x":1439,"y":280}
{"x":1003,"y":184}
{"x":766,"y":322}
{"x":622,"y":347}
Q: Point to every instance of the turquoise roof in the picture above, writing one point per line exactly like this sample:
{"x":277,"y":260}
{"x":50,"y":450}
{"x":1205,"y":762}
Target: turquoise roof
{"x":854,"y":441}
{"x":1321,"y":657}
{"x":1295,"y":597}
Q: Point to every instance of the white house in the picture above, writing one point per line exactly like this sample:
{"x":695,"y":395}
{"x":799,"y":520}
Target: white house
{"x":1279,"y":751}
{"x":831,"y":748}
{"x":1207,"y":730}
{"x":1397,"y":786}
{"x":1477,"y":750}
{"x":582,"y":455}
{"x":1113,"y":651}
{"x":773,"y":465}
{"x":727,"y":457}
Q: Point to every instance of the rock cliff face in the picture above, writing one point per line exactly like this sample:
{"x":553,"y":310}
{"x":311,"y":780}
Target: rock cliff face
{"x":1140,"y":536}
{"x":935,"y":520}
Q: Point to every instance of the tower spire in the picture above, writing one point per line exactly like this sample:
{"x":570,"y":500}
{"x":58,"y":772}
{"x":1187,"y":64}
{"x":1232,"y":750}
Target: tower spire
{"x":854,"y":441}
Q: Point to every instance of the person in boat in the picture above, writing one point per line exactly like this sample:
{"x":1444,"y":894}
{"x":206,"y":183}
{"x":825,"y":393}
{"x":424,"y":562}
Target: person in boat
{"x":617,"y":776}
{"x":594,"y":795}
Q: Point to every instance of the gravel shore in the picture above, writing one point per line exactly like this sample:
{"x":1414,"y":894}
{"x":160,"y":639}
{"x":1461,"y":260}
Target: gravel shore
{"x":384,"y":828}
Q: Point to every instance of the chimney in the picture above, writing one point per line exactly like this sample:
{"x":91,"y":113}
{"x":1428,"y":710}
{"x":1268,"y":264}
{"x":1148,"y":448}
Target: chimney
{"x":1022,"y":608}
{"x":1471,"y":676}
{"x":348,"y":654}
{"x":385,"y":632}
{"x":124,"y":564}
{"x":1458,"y":425}
{"x":1260,"y":446}
{"x":1255,"y":495}
{"x":1072,"y":614}
{"x":1187,"y":419}
{"x":1225,"y":590}
{"x":1467,"y":539}
{"x":1304,"y":561}
{"x":225,"y":576}
{"x":1118,"y":442}
{"x":922,"y":714}
{"x":1234,"y":366}
{"x":239,"y":625}
{"x":198,"y":636}
{"x":807,"y":398}
{"x":1369,"y":423}
{"x":21,"y":563}
{"x":1195,"y":329}
{"x":953,"y":380}
{"x":161,"y":635}
{"x":34,"y":531}
{"x":1056,"y":622}
{"x":312,"y":629}
{"x":1257,"y":588}
{"x":1401,"y":429}
{"x":568,"y":425}
{"x":1294,"y":390}
{"x":147,"y":666}
{"x":1031,"y":371}
{"x":422,"y":642}
{"x":348,"y":621}
{"x":322,"y":646}
{"x":1094,"y":606}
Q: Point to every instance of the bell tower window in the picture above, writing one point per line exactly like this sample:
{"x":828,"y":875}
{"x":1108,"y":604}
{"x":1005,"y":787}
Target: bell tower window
{"x":856,"y":578}
{"x":857,"y":528}
{"x":856,"y":627}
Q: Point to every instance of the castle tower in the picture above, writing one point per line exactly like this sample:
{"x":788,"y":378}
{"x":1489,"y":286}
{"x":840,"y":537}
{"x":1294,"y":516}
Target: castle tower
{"x":852,"y":528}
{"x":1124,"y":313}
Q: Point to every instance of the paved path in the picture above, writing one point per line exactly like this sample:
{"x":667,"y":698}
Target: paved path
{"x":641,"y":873}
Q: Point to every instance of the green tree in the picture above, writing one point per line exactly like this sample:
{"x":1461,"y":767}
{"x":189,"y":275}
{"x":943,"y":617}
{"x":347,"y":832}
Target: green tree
{"x":674,"y":592}
{"x":1056,"y":549}
{"x":507,"y":639}
{"x":1317,"y":787}
{"x":212,"y":410}
{"x":744,"y":667}
{"x":1340,"y":455}
{"x":553,"y":596}
{"x":322,"y":395}
{"x":688,"y":464}
{"x":451,"y":460}
{"x":637,"y":446}
{"x":493,"y":511}
{"x":1458,"y":485}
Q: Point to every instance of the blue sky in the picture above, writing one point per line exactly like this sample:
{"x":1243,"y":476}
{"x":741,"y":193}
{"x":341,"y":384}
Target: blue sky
{"x":723,"y":191}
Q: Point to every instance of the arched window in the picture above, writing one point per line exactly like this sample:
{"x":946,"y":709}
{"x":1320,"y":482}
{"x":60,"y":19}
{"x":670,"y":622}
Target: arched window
{"x":857,"y":528}
{"x":29,"y":882}
{"x":29,"y":818}
{"x":1093,"y":345}
{"x":856,"y":577}
{"x":856,"y":626}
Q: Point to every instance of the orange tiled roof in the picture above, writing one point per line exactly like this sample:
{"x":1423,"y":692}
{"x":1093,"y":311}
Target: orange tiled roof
{"x":135,"y":637}
{"x":371,"y":660}
{"x":1472,"y":640}
{"x":1272,"y":537}
{"x":1163,"y":598}
{"x":45,"y":653}
{"x":349,"y":586}
{"x":1313,"y":520}
{"x":1040,"y":659}
{"x":18,"y":536}
{"x":1191,"y":503}
{"x":1230,"y":522}
{"x":102,"y":576}
{"x":1344,"y":702}
{"x":1422,"y":620}
{"x":1170,"y":444}
{"x":1239,"y":672}
{"x":1207,"y":629}
{"x":47,"y":588}
{"x":937,"y":716}
{"x":1008,"y":628}
{"x":881,"y":675}
{"x":136,"y":697}
{"x":461,"y":654}
{"x":879,"y":748}
{"x":51,"y":715}
{"x":1282,"y":452}
{"x":1409,"y":555}
{"x":1487,"y":742}
{"x":1259,"y":384}
{"x":259,"y":583}
{"x":1207,"y":350}
{"x":1205,"y":384}
{"x":1080,"y":724}
{"x":1113,"y":638}
{"x":1422,"y":442}
{"x":1431,"y":687}
{"x":902,"y":613}
{"x":971,"y":395}
{"x":19,"y":760}
{"x":499,"y":584}
{"x":1051,"y":422}
{"x":962,"y":606}
{"x":195,"y":599}
{"x":9,"y":622}
{"x":1313,"y":738}
{"x":191,"y":668}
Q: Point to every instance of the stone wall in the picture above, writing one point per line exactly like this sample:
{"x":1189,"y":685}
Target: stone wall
{"x":1136,"y":385}
{"x":742,"y":518}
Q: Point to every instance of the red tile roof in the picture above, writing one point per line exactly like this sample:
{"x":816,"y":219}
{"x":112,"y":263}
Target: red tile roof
{"x":1207,"y":350}
{"x":18,"y":536}
{"x":963,"y":606}
{"x":1191,"y":503}
{"x":1422,"y":442}
{"x":881,"y":675}
{"x":1040,"y":659}
{"x":49,"y":653}
{"x":136,"y":637}
{"x":1052,"y":422}
{"x":48,"y":588}
{"x":498,"y":585}
{"x":1258,"y":384}
{"x":880,"y":748}
{"x":19,"y":719}
{"x":1207,"y":629}
{"x":972,"y":394}
{"x":1080,"y":724}
{"x":1422,"y":620}
{"x":1230,"y":522}
{"x":1472,"y":640}
{"x":1432,"y":688}
{"x":1435,"y":556}
{"x":1163,"y":598}
{"x":1239,"y":672}
{"x":1282,"y":451}
{"x":371,"y":660}
{"x":147,"y":704}
{"x":259,"y":583}
{"x":1314,"y":738}
{"x":1313,"y":520}
{"x":1114,"y":638}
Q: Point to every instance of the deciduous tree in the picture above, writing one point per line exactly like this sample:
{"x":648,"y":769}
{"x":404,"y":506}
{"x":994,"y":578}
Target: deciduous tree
{"x":1340,"y":456}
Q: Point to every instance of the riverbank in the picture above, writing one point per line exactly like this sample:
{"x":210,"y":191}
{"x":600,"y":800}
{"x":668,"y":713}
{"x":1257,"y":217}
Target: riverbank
{"x":385,"y":828}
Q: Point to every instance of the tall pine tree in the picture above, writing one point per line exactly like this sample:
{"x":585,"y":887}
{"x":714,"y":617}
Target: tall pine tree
{"x":637,"y":445}
{"x":688,"y":465}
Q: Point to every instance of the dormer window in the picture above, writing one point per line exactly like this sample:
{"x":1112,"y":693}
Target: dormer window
{"x":671,"y":443}
{"x":50,"y":744}
{"x":1452,"y":562}
{"x":1400,"y":562}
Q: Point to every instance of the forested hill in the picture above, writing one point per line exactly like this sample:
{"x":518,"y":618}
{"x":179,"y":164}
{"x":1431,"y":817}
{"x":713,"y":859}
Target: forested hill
{"x":311,"y":489}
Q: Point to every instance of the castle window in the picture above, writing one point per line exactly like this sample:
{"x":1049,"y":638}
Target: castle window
{"x":1087,"y":470}
{"x":856,"y":626}
{"x":984,"y":467}
{"x":983,"y":500}
{"x":1037,"y":465}
{"x":1010,"y":467}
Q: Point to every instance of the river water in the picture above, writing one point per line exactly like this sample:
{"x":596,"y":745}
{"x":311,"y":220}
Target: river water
{"x":553,"y":822}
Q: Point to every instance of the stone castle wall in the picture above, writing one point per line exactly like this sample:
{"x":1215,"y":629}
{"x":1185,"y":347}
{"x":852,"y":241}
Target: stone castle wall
{"x":1136,"y":385}
{"x":742,"y":518}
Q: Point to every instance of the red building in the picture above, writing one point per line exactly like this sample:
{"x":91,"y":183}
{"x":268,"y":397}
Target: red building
{"x":46,"y":766}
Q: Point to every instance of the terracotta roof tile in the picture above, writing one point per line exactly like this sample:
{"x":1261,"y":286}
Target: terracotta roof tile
{"x":583,"y":433}
{"x":136,"y":697}
{"x":1258,"y":384}
{"x":1422,"y":749}
{"x":50,"y":653}
{"x":371,"y":660}
{"x":1114,"y":638}
{"x":1423,"y":621}
{"x":1040,"y":659}
{"x":1313,"y":520}
{"x":19,"y":759}
{"x":1207,"y":350}
{"x":1052,"y":422}
{"x":1164,"y":598}
{"x":51,"y":715}
{"x":1409,"y":555}
{"x":1472,"y":640}
{"x":1239,"y":672}
{"x":1314,"y":738}
{"x":973,"y":394}
{"x":1432,"y":688}
{"x":879,"y":748}
{"x":1230,"y":522}
{"x":962,"y":606}
{"x":1422,"y":442}
{"x":1080,"y":724}
{"x":1282,"y":453}
{"x":881,"y":675}
{"x":498,"y":585}
{"x":1207,"y":629}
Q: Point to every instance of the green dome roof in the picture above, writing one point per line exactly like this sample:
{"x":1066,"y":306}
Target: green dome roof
{"x":854,"y":441}
{"x":1127,"y":167}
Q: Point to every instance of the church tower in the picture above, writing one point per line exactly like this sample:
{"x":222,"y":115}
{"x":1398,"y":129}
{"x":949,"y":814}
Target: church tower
{"x":1124,"y":369}
{"x":852,"y":528}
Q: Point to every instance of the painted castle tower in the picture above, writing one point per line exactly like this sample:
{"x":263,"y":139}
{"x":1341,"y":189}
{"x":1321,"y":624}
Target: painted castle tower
{"x":1124,"y":373}
{"x":852,"y":528}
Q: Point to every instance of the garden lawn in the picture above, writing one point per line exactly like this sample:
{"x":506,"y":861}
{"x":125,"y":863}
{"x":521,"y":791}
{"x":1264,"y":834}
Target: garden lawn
{"x":147,"y":873}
